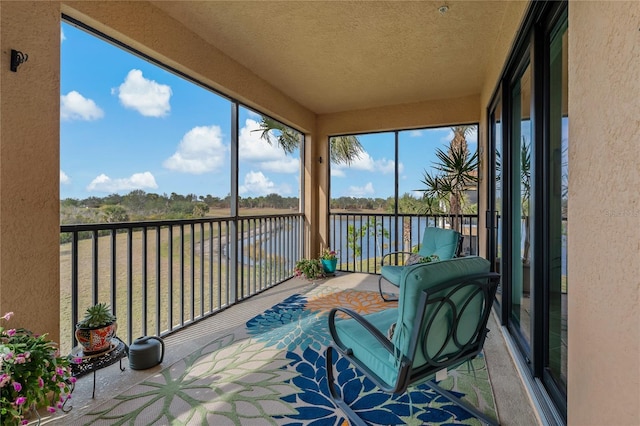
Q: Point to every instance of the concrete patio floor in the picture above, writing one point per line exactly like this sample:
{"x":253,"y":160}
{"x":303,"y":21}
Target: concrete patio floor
{"x":514,"y":406}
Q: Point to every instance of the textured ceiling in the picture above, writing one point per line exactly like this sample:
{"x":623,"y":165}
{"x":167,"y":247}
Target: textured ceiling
{"x":344,"y":55}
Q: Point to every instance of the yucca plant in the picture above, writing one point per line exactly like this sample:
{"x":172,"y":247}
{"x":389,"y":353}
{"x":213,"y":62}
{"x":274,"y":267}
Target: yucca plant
{"x":97,"y":315}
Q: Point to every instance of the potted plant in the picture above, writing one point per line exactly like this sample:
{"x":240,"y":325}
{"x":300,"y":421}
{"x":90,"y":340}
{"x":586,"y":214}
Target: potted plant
{"x":96,"y":329}
{"x":33,"y":374}
{"x":311,"y":269}
{"x":329,"y":260}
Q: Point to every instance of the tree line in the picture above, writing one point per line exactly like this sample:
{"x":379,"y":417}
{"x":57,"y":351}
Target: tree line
{"x":139,"y":205}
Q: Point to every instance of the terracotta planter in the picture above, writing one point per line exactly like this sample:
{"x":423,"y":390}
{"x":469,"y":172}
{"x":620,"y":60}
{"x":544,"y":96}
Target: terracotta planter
{"x":97,"y":339}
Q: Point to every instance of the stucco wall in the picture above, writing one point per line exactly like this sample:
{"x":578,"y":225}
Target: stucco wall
{"x":29,"y":166}
{"x":440,"y":112}
{"x":604,"y":213}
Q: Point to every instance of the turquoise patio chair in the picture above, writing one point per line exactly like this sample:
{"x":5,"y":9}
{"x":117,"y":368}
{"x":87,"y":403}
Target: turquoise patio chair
{"x":440,"y":323}
{"x":444,"y":243}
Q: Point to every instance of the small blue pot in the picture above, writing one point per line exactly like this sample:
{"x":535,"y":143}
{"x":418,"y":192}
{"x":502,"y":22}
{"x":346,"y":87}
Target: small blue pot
{"x":329,"y":266}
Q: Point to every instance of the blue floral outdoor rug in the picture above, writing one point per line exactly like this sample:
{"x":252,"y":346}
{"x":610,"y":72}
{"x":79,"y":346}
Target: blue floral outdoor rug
{"x":272,"y":371}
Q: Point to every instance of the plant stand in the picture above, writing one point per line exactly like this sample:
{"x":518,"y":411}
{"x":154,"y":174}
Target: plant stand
{"x":93,"y":363}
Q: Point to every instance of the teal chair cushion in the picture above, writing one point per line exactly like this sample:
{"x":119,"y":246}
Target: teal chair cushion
{"x":366,"y":347}
{"x":392,"y":273}
{"x":439,"y":241}
{"x":417,"y":278}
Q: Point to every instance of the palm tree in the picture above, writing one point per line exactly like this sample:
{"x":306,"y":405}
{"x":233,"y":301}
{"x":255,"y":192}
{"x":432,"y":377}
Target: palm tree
{"x":288,"y":139}
{"x":343,"y":149}
{"x":525,"y":193}
{"x":456,"y":171}
{"x":460,"y":134}
{"x":525,"y":190}
{"x":459,"y":145}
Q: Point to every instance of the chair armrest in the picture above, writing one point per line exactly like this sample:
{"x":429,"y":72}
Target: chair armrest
{"x":391,"y":254}
{"x":384,"y":342}
{"x":402,"y":364}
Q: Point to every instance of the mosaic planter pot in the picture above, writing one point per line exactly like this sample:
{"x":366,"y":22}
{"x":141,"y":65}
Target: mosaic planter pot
{"x":97,"y":339}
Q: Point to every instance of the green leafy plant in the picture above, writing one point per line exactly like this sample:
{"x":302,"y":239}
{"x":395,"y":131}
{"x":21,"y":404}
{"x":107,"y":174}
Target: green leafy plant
{"x":328,"y":254}
{"x":32,"y":375}
{"x":97,"y":315}
{"x":311,"y":269}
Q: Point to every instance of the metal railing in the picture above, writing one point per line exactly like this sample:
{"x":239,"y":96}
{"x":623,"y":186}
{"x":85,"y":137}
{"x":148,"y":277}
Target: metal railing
{"x":160,"y":276}
{"x":362,"y":239}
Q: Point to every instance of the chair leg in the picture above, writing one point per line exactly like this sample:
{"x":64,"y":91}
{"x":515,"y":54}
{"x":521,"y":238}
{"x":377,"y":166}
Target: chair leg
{"x":462,"y":404}
{"x":385,"y":298}
{"x":335,"y":394}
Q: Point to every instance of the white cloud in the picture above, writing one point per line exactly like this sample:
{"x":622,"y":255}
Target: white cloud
{"x":62,"y":37}
{"x":64,"y":178}
{"x":74,"y":106}
{"x":264,"y":155}
{"x":104,"y":183}
{"x":415,"y":133}
{"x":337,"y":172}
{"x":201,"y":150}
{"x":286,"y":165}
{"x":361,"y":191}
{"x":148,"y":97}
{"x":258,"y":184}
{"x":368,"y":164}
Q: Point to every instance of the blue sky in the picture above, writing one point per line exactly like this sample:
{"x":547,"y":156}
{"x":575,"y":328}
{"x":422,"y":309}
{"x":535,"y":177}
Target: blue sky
{"x":127,"y":124}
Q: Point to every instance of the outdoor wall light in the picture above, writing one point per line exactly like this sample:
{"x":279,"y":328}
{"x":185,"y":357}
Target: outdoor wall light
{"x":17,"y":58}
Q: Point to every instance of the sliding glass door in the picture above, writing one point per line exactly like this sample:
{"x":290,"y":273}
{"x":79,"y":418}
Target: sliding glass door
{"x":521,"y":225}
{"x":527,"y":222}
{"x":555,"y":372}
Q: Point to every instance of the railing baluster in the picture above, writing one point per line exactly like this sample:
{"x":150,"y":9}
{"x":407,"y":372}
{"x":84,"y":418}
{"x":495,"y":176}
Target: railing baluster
{"x":220,"y":264}
{"x":114,"y":297}
{"x":74,"y":285}
{"x":170,"y":278}
{"x":143,"y":319}
{"x":211,"y":267}
{"x":95,"y":296}
{"x":201,"y":270}
{"x":158,"y":281}
{"x":192,"y":255}
{"x":253,"y":254}
{"x":129,"y":285}
{"x":182,"y":275}
{"x":228,"y":274}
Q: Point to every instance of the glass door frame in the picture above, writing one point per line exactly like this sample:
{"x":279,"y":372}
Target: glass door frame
{"x":531,"y":48}
{"x":492,"y":220}
{"x":554,"y":24}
